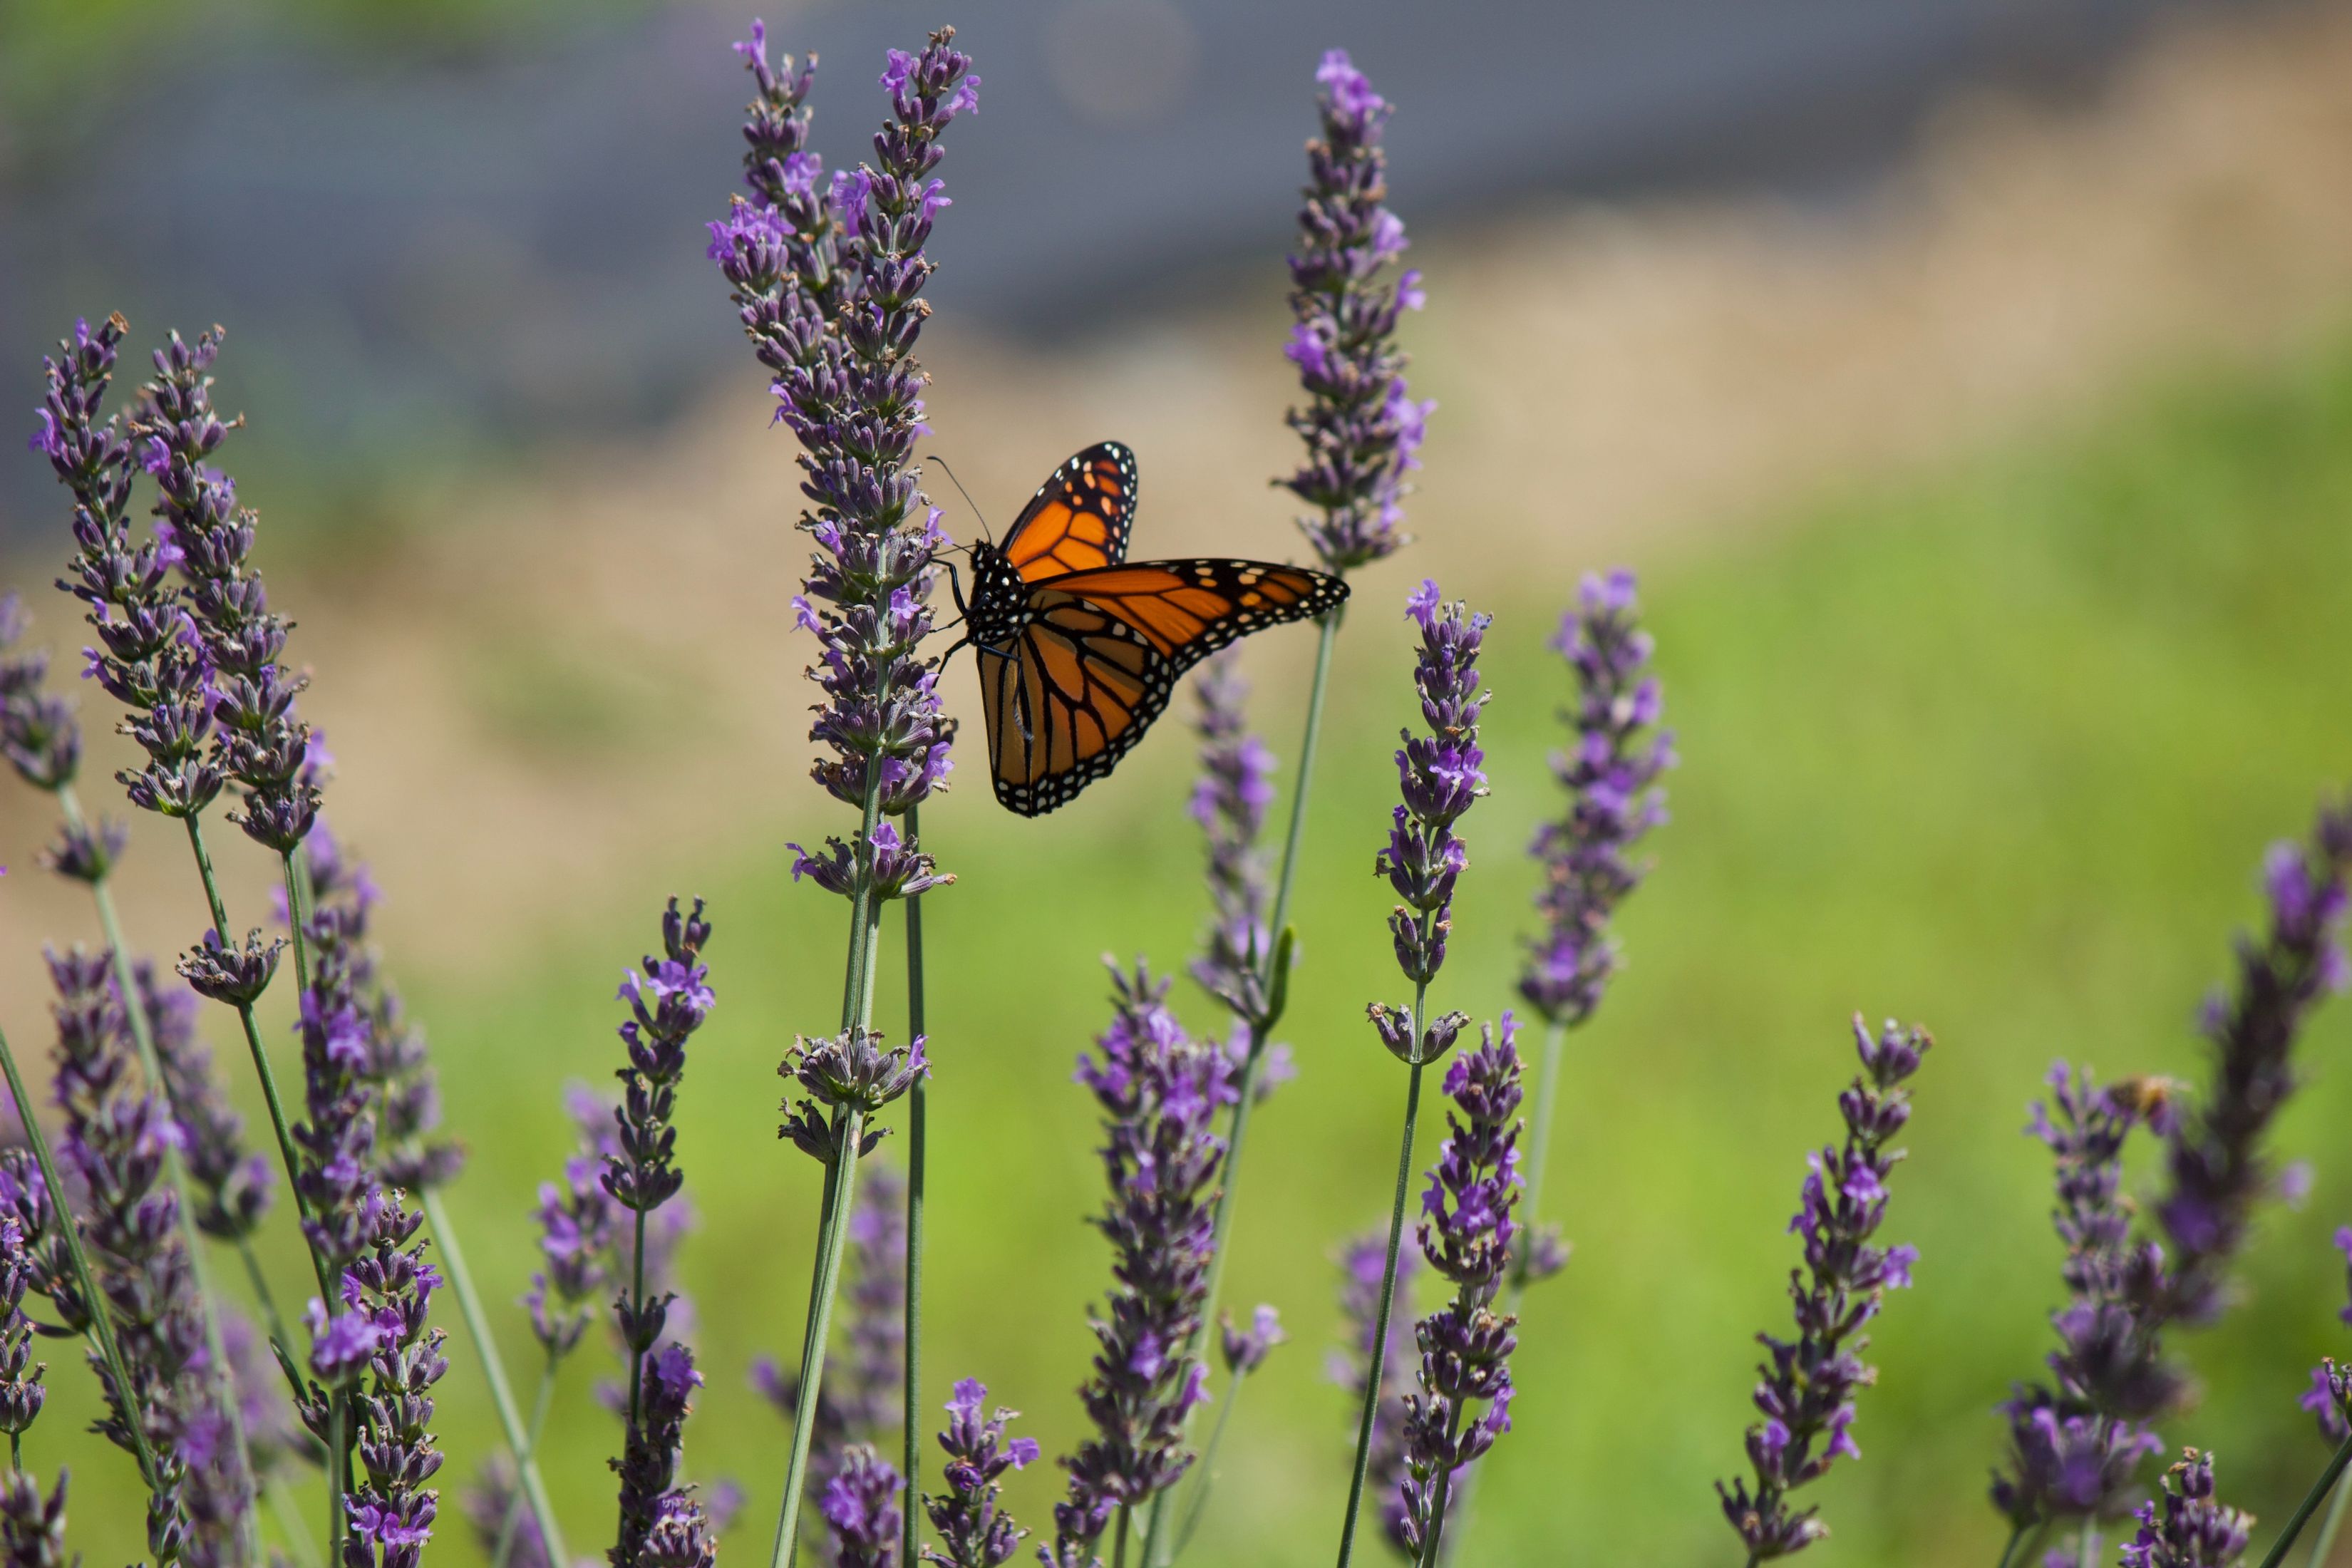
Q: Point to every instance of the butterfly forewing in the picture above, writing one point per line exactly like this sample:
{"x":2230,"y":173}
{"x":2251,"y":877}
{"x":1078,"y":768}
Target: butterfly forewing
{"x":1078,"y":520}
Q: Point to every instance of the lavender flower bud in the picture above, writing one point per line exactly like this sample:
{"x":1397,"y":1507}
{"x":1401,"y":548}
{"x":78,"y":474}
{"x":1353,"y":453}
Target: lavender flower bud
{"x":2215,"y":1168}
{"x":578,"y":1226}
{"x":229,"y":973}
{"x":1807,"y":1384}
{"x":85,"y":852}
{"x":1610,"y":777}
{"x":975,"y":1531}
{"x":21,"y":1393}
{"x":2186,"y":1528}
{"x":844,"y":1073}
{"x":1245,"y":1350}
{"x":33,"y":1527}
{"x":886,"y":866}
{"x":860,"y":1504}
{"x":38,"y":734}
{"x":1160,"y":1093}
{"x":1361,"y":429}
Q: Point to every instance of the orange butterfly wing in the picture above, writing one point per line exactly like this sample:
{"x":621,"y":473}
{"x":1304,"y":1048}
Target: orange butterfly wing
{"x":1079,"y":518}
{"x":1099,"y":657}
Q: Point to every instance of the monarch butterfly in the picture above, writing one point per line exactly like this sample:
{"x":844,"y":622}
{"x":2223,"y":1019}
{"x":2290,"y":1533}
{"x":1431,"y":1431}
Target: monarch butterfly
{"x":1079,"y":650}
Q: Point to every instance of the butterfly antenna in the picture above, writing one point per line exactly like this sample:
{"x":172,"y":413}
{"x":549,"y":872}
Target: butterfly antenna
{"x":951,"y":473}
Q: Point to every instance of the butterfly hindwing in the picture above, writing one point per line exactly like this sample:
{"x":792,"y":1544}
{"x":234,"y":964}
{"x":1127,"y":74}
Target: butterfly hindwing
{"x":1097,"y":659}
{"x":1079,"y":518}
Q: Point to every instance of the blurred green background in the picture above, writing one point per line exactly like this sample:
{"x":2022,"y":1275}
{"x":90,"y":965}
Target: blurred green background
{"x":2001,"y":576}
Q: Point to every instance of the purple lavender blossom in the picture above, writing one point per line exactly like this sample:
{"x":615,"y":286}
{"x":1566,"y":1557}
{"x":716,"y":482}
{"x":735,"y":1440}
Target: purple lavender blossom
{"x":828,"y":282}
{"x":1360,"y":1266}
{"x":846,"y":1073}
{"x":38,"y":733}
{"x":1610,"y":778}
{"x":1466,"y":1234}
{"x":33,"y":1527}
{"x":2329,"y":1399}
{"x":1807,"y":1384}
{"x":858,"y":1401}
{"x":335,"y":1181}
{"x":579,"y":1227}
{"x":2215,"y":1167}
{"x":117,"y":1138}
{"x":974,"y":1528}
{"x":1441,"y":779}
{"x":662,"y":1523}
{"x":1229,"y":801}
{"x":21,"y":1390}
{"x":2076,"y":1443}
{"x":1361,"y":429}
{"x":860,"y":1505}
{"x":233,"y":1184}
{"x":390,"y":1287}
{"x":259,"y":742}
{"x":149,"y":658}
{"x":2186,"y":1528}
{"x":1160,"y":1093}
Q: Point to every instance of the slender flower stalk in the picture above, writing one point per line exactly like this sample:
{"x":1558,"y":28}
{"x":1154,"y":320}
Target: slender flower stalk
{"x":1385,"y":1374}
{"x":827,"y":282}
{"x":2215,"y":1169}
{"x":1362,"y":433}
{"x":1439,"y":774}
{"x":1466,"y":1234}
{"x":974,"y":1528}
{"x":668,"y":1001}
{"x":1807,"y":1386}
{"x":1160,"y":1091}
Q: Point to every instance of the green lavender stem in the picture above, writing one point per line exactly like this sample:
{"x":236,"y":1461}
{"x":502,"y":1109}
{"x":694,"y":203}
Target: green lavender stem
{"x":912,"y":1380}
{"x":1373,"y":1378}
{"x":2319,"y":1488}
{"x":538,"y":1405}
{"x":841,"y":1177}
{"x":176,"y":1166}
{"x":2338,"y":1497}
{"x":1199,"y":1498}
{"x":494,"y":1373}
{"x":101,"y":1325}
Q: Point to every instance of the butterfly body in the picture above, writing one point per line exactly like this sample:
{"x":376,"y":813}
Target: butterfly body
{"x":1079,"y":649}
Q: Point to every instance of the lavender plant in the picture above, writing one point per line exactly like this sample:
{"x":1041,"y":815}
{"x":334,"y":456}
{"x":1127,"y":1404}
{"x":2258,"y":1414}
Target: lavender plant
{"x":974,"y":1531}
{"x":2186,"y":1528}
{"x":1807,"y":1387}
{"x":1161,"y":1092}
{"x":1439,"y":777}
{"x":828,"y":287}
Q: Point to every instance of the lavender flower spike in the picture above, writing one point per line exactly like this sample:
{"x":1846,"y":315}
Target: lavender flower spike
{"x":2215,"y":1168}
{"x":1807,"y":1384}
{"x":1610,"y":778}
{"x":974,"y":1531}
{"x":1229,"y":801}
{"x":38,"y":733}
{"x":1466,"y":1234}
{"x":1361,"y":427}
{"x":21,"y":1390}
{"x":2186,"y":1528}
{"x":1160,"y":1093}
{"x":390,"y":1288}
{"x":861,"y":1509}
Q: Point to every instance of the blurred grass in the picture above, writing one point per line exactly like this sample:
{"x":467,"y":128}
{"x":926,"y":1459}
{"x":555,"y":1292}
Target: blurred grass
{"x":1998,"y":748}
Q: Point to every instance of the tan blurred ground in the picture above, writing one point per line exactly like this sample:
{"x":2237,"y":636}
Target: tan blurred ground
{"x":547,"y":687}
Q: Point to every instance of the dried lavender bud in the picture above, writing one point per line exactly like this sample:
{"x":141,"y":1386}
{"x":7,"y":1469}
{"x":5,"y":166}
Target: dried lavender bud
{"x":1440,"y":779}
{"x":859,"y":1399}
{"x":662,"y":1525}
{"x":827,"y":281}
{"x":1361,"y":1264}
{"x":1610,"y":777}
{"x":259,"y":742}
{"x":2075,"y":1448}
{"x":860,"y":1504}
{"x":1361,"y":429}
{"x":149,"y":658}
{"x":1160,"y":1093}
{"x":227,"y":973}
{"x":21,"y":1393}
{"x":391,"y":1286}
{"x":2215,"y":1168}
{"x":1229,"y":801}
{"x":1807,"y":1384}
{"x":1466,"y":1236}
{"x":973,"y":1530}
{"x":2186,"y":1528}
{"x":38,"y":733}
{"x":233,"y":1184}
